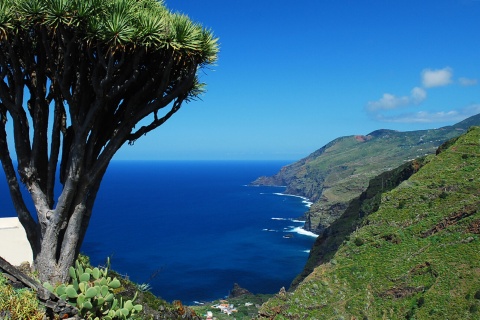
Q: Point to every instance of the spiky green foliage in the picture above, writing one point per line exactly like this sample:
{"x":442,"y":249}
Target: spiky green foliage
{"x":417,"y":257}
{"x":118,"y":24}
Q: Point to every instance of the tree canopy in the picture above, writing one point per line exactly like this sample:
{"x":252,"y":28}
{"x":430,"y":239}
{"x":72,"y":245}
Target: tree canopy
{"x":76,"y":78}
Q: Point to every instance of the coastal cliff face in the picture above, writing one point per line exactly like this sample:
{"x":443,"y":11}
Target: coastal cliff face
{"x":405,"y":252}
{"x":340,"y":171}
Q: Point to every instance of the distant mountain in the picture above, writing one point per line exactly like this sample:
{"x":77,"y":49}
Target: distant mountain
{"x":340,"y":171}
{"x":405,"y":252}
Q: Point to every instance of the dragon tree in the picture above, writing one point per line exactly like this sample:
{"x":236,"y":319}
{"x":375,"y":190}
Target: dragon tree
{"x":76,"y":78}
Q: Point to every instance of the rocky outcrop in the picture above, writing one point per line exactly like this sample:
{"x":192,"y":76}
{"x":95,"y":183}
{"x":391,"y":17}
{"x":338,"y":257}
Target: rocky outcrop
{"x":238,"y":291}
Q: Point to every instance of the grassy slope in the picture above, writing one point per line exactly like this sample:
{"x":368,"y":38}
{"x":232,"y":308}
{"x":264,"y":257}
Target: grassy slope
{"x":417,"y":257}
{"x":327,"y":244}
{"x":340,"y":171}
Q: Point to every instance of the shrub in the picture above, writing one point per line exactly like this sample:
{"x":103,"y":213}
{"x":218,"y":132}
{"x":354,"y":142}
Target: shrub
{"x":18,"y":304}
{"x":477,"y":294}
{"x":144,"y":287}
{"x":421,"y":302}
{"x":358,"y":242}
{"x":473,"y":308}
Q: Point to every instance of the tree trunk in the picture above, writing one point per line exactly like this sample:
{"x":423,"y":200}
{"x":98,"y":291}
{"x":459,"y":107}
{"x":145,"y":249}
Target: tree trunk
{"x":65,"y":229}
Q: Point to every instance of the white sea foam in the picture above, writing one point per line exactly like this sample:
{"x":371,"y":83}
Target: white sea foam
{"x":306,"y":201}
{"x":306,"y":251}
{"x":288,"y":219}
{"x":304,"y":232}
{"x":270,"y":230}
{"x":295,"y":229}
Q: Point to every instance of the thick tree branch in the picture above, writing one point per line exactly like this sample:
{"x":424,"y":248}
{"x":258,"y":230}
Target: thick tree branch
{"x":57,"y":127}
{"x":128,"y":77}
{"x":80,"y":219}
{"x":38,"y":78}
{"x":20,"y":122}
{"x":31,"y":227}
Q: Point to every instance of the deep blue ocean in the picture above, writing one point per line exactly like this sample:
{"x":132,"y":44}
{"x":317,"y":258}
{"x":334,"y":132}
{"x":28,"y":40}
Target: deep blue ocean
{"x":192,"y":229}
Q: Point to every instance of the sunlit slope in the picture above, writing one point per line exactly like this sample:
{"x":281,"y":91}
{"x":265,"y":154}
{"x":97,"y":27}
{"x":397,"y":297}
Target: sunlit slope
{"x":417,"y":257}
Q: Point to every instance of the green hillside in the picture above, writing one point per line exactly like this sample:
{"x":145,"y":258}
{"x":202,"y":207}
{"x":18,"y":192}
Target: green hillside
{"x":341,"y":170}
{"x":416,"y":257}
{"x":327,"y":244}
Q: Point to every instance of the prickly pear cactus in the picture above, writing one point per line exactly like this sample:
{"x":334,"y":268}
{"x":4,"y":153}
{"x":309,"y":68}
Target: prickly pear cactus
{"x":91,"y":291}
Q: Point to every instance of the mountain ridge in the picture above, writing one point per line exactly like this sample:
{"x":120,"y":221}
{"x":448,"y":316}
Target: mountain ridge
{"x":340,"y":170}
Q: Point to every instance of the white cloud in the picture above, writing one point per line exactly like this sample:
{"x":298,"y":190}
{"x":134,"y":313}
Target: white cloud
{"x":386,"y":102}
{"x":432,"y":117}
{"x":418,"y":95}
{"x":437,"y":78}
{"x":386,"y":109}
{"x":467,"y":81}
{"x":389,"y":101}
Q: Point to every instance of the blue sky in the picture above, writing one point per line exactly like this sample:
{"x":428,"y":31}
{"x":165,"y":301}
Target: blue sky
{"x":292,"y":76}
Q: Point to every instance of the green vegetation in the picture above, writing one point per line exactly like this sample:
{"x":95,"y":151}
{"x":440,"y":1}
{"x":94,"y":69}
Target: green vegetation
{"x":18,"y":304}
{"x":107,"y":295}
{"x":92,"y":291}
{"x":23,"y":304}
{"x":416,"y":257}
{"x":341,"y":170}
{"x":327,"y":244}
{"x":246,"y":306}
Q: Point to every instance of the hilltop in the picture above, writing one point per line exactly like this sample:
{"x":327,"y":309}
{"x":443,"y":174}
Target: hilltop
{"x":340,"y":171}
{"x":415,"y":254}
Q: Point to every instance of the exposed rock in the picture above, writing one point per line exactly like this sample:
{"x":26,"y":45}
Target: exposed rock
{"x":238,"y":291}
